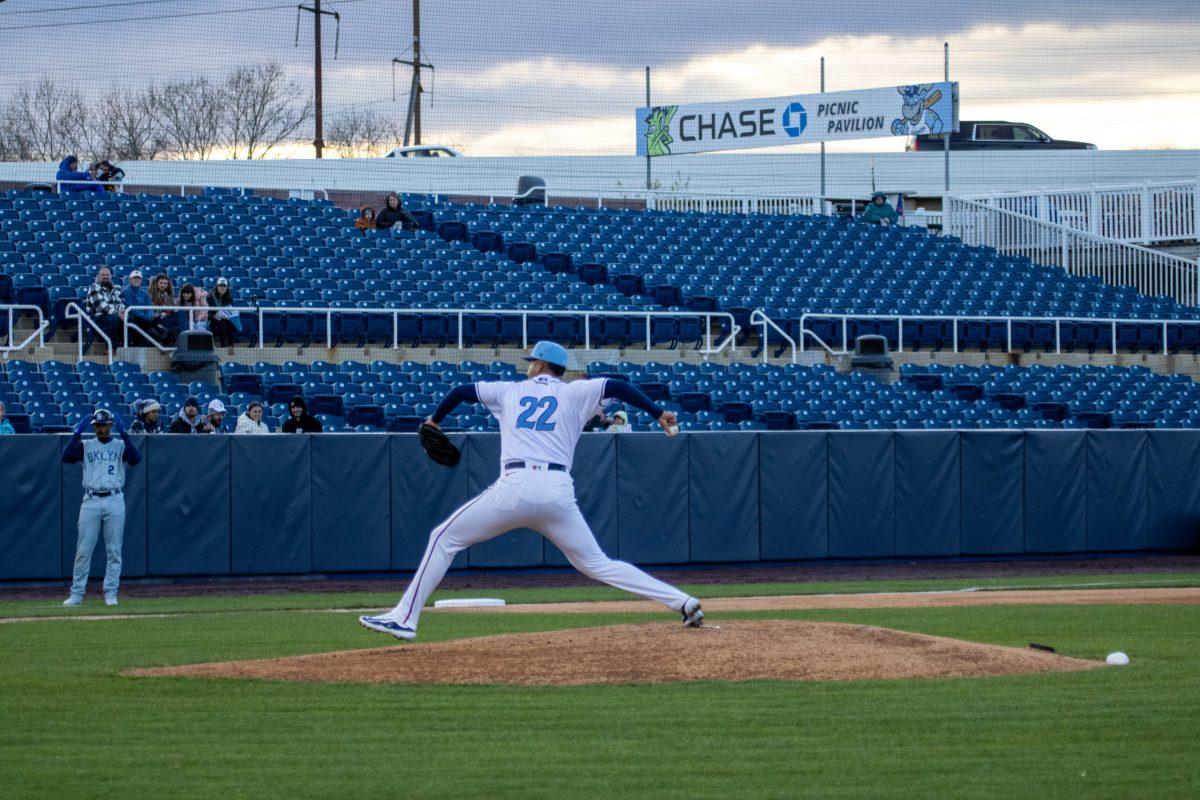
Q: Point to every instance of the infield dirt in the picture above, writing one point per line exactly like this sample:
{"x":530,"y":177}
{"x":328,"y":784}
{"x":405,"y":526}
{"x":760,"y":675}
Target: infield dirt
{"x":656,"y":652}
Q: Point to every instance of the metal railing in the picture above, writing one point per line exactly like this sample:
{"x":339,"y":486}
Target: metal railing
{"x":1079,"y":253}
{"x":1143,"y":213}
{"x":303,"y":193}
{"x":120,"y":185}
{"x":10,"y":332}
{"x":957,"y":321}
{"x":759,"y":317}
{"x":75,"y":311}
{"x":729,"y":328}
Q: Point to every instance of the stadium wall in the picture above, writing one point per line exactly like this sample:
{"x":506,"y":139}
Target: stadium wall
{"x":230,"y":505}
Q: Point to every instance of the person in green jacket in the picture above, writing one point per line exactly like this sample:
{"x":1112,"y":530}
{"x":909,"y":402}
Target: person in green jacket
{"x":879,"y":211}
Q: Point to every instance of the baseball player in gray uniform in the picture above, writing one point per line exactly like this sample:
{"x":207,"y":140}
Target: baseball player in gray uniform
{"x":103,"y":508}
{"x":541,"y":419}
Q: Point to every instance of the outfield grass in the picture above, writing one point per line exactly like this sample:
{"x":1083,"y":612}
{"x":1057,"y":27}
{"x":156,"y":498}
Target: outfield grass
{"x":94,"y":605}
{"x":72,"y":726}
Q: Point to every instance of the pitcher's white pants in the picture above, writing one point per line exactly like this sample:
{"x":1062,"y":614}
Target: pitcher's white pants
{"x":526,"y":498}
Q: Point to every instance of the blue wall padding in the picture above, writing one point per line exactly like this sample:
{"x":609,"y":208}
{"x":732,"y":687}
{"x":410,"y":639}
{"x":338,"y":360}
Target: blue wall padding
{"x":595,"y":476}
{"x":1173,"y":464}
{"x":351,"y":515}
{"x":862,"y":494}
{"x":993,"y":492}
{"x":338,"y":503}
{"x":133,"y":551}
{"x":423,"y":495}
{"x":723,"y":477}
{"x":30,"y":507}
{"x":271,"y":510}
{"x":794,"y":495}
{"x":652,"y":481}
{"x":1055,"y":492}
{"x":1116,"y":490}
{"x":928,"y":501}
{"x":519,"y":548}
{"x":188,"y":506}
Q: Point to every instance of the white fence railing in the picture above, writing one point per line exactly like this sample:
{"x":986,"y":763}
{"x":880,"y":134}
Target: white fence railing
{"x":845,"y":346}
{"x":75,"y":311}
{"x":1145,"y":214}
{"x":119,"y":188}
{"x":727,"y":331}
{"x":9,"y":334}
{"x":1080,"y":253}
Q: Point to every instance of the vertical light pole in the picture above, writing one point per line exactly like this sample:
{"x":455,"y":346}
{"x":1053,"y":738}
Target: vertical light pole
{"x":946,"y":132}
{"x":822,"y":143}
{"x":318,"y":105}
{"x":647,"y":149}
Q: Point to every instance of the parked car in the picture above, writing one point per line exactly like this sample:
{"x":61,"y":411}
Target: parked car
{"x":994,"y":135}
{"x":424,"y":151}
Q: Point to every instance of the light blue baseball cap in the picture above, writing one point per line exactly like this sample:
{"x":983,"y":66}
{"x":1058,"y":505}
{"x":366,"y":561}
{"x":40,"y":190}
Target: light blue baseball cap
{"x":551,"y":353}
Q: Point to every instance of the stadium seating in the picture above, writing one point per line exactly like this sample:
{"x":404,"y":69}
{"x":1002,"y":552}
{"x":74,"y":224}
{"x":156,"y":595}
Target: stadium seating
{"x":307,"y":253}
{"x":353,"y":396}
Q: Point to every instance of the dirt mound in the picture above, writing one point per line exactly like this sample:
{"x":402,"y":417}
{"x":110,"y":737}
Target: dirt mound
{"x":658,"y":652}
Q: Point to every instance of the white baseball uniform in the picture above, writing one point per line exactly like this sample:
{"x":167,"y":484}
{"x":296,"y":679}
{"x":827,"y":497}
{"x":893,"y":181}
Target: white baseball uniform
{"x":103,"y":509}
{"x":540,"y":423}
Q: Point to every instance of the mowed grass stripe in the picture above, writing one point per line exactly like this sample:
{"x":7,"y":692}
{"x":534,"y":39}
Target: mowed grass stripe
{"x":73,"y":725}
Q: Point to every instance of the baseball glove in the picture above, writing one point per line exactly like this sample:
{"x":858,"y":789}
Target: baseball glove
{"x":438,"y":446}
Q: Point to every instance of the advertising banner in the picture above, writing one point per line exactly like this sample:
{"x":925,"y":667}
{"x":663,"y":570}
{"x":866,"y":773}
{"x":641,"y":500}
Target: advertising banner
{"x":797,"y":119}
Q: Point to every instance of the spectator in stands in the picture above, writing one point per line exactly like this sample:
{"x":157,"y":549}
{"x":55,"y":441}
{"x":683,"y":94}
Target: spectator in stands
{"x":147,"y":320}
{"x":251,"y":422}
{"x":879,"y":211}
{"x":191,"y":297}
{"x":394,"y":216}
{"x":620,"y":423}
{"x":299,"y":420}
{"x":188,"y":420}
{"x":68,"y":170}
{"x":162,"y":293}
{"x":216,"y":416}
{"x":146,"y":414}
{"x":105,"y":306}
{"x":108,"y":174}
{"x":366,"y":219}
{"x":6,"y":428}
{"x":225,"y":324}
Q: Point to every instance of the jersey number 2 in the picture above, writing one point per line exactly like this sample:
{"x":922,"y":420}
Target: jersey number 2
{"x":531,"y":404}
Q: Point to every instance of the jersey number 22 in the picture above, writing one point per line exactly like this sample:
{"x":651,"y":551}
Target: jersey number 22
{"x":547,"y":405}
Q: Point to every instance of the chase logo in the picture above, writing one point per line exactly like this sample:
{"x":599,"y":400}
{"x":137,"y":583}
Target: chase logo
{"x":795,"y":120}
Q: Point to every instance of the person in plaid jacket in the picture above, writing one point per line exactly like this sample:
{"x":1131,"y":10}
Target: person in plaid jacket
{"x":106,"y":307}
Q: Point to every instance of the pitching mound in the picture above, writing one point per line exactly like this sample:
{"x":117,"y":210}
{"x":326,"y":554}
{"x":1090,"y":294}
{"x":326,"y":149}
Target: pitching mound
{"x":659,"y":652}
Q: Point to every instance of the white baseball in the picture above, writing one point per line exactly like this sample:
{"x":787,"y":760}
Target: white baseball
{"x":672,"y":430}
{"x":1117,"y":659}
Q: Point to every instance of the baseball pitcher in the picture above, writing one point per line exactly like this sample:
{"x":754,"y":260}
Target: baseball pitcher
{"x":540,"y":419}
{"x":103,"y":508}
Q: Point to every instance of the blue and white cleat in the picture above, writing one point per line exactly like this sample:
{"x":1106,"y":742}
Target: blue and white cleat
{"x":693,"y":617}
{"x":74,"y":600}
{"x":389,"y":626}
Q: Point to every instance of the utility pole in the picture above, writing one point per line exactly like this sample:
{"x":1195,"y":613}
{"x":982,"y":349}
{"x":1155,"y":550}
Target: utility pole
{"x":319,"y":121}
{"x":412,"y":123}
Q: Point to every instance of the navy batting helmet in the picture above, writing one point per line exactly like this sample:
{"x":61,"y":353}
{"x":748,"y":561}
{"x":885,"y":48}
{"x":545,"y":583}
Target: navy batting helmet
{"x":102,"y":417}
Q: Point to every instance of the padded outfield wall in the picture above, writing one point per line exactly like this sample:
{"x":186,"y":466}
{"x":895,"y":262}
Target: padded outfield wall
{"x":228,"y":505}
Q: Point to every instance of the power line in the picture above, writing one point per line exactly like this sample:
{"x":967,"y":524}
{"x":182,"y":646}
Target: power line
{"x":85,"y":8}
{"x":157,"y":16}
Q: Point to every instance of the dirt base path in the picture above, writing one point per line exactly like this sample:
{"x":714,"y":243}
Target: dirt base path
{"x":1015,"y":597}
{"x":657,"y":652}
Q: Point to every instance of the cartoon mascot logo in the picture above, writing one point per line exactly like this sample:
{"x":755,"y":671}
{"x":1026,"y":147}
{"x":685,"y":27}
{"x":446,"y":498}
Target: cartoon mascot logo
{"x":658,"y":130}
{"x":916,"y":114}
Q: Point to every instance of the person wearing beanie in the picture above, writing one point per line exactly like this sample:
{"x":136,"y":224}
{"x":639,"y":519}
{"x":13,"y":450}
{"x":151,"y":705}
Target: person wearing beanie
{"x":188,"y":420}
{"x":146,"y":413}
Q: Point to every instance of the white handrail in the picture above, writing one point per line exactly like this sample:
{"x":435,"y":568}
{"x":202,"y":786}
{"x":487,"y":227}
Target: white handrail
{"x":1144,"y":213}
{"x":248,"y":190}
{"x":119,"y":184}
{"x":460,"y":313}
{"x":759,"y":317}
{"x":39,"y":332}
{"x":75,"y":312}
{"x":900,"y":319}
{"x":1053,"y":244}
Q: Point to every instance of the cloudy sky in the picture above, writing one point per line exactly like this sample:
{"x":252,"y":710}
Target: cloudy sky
{"x":563,"y":76}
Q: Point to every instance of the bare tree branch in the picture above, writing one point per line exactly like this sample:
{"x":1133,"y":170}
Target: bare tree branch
{"x":44,"y":123}
{"x":262,"y":109}
{"x":188,"y":117}
{"x":123,"y":126}
{"x":362,"y":133}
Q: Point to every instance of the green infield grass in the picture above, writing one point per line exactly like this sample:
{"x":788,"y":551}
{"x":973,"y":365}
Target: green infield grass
{"x":71,"y":725}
